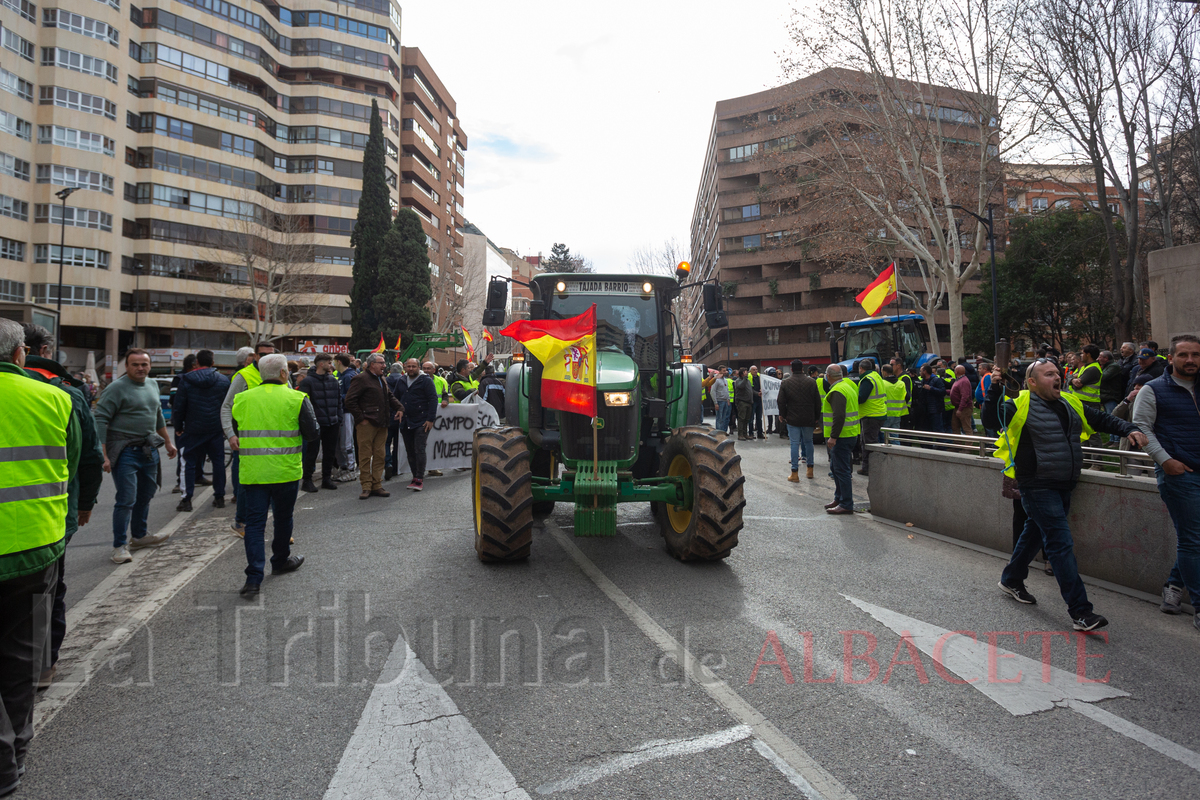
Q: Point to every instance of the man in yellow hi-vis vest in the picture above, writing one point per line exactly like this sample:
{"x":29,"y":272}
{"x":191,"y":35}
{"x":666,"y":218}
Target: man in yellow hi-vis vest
{"x":247,"y":377}
{"x":273,"y":422}
{"x":839,"y":421}
{"x":39,"y":441}
{"x":1039,"y":445}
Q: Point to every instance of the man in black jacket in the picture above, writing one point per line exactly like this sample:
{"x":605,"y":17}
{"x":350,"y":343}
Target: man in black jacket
{"x":800,"y":409}
{"x":931,"y":391}
{"x":1041,"y":447}
{"x":416,"y":392}
{"x":196,"y":416}
{"x":325,"y":395}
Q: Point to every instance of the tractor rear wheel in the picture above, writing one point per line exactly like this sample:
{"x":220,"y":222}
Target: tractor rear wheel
{"x":502,"y":495}
{"x":709,"y":530}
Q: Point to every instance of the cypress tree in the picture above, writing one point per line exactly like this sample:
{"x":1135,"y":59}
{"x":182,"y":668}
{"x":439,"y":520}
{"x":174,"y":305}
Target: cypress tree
{"x":403,"y":294}
{"x":374,"y":222}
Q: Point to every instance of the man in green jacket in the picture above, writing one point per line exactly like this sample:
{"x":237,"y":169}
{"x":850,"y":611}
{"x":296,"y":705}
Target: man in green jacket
{"x":86,"y":474}
{"x":39,"y":441}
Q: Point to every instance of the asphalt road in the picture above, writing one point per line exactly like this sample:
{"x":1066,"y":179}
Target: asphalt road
{"x":550,"y":677}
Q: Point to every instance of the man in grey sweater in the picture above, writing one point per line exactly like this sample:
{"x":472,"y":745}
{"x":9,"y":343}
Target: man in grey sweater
{"x":130,"y":428}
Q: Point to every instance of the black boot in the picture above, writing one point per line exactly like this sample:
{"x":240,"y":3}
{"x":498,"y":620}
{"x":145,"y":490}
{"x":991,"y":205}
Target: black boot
{"x":307,"y":485}
{"x":328,"y":484}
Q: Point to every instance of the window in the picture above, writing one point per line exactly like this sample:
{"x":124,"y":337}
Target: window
{"x":742,"y":153}
{"x":169,"y":126}
{"x":72,"y":256}
{"x":78,"y":62}
{"x":78,"y":101}
{"x":11,"y":123}
{"x":815,"y":334}
{"x":15,"y":84}
{"x":74,"y":217}
{"x":23,"y":7}
{"x":151,"y":52}
{"x":47,"y":293}
{"x":1062,"y":203}
{"x":113,"y":3}
{"x":11,"y":41}
{"x":12,"y":207}
{"x":752,"y":241}
{"x":1114,"y":208}
{"x":75,"y":139}
{"x":1038,"y":203}
{"x":14,"y":167}
{"x":12,"y":250}
{"x":70,"y":176}
{"x":772,"y":335}
{"x":12,"y":291}
{"x":77,"y":23}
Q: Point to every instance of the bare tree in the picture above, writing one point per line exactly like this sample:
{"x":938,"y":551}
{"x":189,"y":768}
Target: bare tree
{"x":657,"y":259}
{"x":1094,"y":66}
{"x":277,"y":256}
{"x":453,"y":290}
{"x":900,"y":123}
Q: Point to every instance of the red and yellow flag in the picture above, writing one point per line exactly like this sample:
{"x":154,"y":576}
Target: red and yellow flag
{"x":399,"y":336}
{"x":470,"y":344}
{"x":567,"y":349}
{"x":881,"y":291}
{"x":487,"y":335}
{"x":379,"y":348}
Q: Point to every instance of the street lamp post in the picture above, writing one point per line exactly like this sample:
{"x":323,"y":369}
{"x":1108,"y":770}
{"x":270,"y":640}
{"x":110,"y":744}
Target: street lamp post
{"x":62,"y":195}
{"x":990,"y":222}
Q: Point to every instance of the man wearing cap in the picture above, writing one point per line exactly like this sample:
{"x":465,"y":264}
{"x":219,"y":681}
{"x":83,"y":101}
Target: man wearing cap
{"x":1148,"y":363}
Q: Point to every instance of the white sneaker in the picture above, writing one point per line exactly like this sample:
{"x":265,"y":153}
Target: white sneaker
{"x":121,"y":555}
{"x":149,"y":540}
{"x":239,"y":530}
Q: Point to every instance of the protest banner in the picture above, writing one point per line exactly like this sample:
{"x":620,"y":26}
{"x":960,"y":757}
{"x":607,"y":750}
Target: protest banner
{"x":449,"y":443}
{"x":770,"y":395}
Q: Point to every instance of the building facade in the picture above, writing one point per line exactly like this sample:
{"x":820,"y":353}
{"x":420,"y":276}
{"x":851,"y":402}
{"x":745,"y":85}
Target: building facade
{"x":781,"y":293}
{"x":200,"y":139}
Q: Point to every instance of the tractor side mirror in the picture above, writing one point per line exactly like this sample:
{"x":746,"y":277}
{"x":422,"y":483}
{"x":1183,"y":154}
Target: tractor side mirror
{"x":714,"y":307}
{"x":497,"y":302}
{"x":537,"y":309}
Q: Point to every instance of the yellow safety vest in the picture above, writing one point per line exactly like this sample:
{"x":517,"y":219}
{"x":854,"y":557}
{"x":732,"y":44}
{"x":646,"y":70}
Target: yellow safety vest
{"x":1006,"y":445}
{"x":851,"y":427}
{"x":250,"y":375}
{"x":468,"y":382}
{"x":895,"y":399}
{"x":876,"y":404}
{"x":822,"y":387}
{"x":269,"y":441}
{"x":948,"y":376}
{"x":1089,"y":394}
{"x":906,"y":381}
{"x":441,"y":386}
{"x":729,"y":383}
{"x":34,"y":472}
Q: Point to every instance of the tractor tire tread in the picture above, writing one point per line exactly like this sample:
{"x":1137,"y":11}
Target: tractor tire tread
{"x":718,"y":497}
{"x":505,"y":495}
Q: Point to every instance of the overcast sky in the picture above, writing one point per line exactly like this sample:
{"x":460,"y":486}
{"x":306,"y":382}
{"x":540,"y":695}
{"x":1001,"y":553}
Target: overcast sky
{"x":587,"y":124}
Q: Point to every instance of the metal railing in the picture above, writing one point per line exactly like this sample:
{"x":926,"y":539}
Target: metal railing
{"x":1126,"y":463}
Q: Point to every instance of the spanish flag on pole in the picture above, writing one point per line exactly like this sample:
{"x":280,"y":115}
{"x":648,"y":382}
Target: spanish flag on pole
{"x":567,"y":349}
{"x":379,"y":348}
{"x":470,"y":344}
{"x":487,"y":335}
{"x":881,"y":291}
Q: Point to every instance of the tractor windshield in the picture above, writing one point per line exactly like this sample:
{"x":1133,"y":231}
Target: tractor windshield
{"x":627,"y":321}
{"x":869,"y":342}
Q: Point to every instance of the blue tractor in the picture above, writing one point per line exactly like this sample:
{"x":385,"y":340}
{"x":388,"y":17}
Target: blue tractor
{"x":881,"y":339}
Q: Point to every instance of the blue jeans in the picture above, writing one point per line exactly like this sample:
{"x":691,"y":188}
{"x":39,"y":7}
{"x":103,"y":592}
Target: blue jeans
{"x":239,"y":497}
{"x":841,"y":458}
{"x":724,"y":410}
{"x":212,"y":448}
{"x":281,"y":497}
{"x":801,"y":441}
{"x":1181,"y":494}
{"x":136,"y":478}
{"x":1047,"y":529}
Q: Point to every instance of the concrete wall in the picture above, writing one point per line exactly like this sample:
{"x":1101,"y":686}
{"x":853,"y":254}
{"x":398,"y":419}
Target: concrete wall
{"x":1121,"y":528}
{"x":1174,"y":292}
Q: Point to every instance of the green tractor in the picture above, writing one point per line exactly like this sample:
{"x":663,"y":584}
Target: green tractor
{"x":649,"y":442}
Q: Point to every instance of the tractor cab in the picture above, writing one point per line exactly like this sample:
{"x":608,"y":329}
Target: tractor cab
{"x":882,"y":339}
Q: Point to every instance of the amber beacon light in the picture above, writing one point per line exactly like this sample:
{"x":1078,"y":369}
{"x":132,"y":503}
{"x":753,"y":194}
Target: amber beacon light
{"x":683,"y":270}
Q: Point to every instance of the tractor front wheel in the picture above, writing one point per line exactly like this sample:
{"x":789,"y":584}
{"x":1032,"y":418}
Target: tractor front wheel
{"x":502,"y":495}
{"x":709,"y":530}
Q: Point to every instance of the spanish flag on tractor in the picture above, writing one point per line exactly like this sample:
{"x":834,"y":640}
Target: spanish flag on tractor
{"x":881,"y":291}
{"x":567,"y":350}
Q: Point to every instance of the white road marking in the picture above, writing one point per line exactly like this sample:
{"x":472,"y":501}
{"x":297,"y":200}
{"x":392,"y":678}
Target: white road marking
{"x":413,"y":742}
{"x":122,"y":572}
{"x":794,"y":778}
{"x":1031,"y":693}
{"x":788,"y":519}
{"x":824,"y":784}
{"x":650,"y":751}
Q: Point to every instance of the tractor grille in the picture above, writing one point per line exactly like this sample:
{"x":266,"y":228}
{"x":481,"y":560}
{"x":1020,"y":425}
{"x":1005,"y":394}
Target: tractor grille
{"x":618,"y":437}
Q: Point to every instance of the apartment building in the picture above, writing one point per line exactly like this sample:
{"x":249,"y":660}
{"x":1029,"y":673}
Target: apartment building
{"x":782,"y":290}
{"x":432,"y":169}
{"x":189,"y":133}
{"x":1042,"y":187}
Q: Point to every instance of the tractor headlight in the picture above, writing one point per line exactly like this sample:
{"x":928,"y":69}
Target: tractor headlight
{"x":616,"y":398}
{"x":648,"y":287}
{"x":560,"y":287}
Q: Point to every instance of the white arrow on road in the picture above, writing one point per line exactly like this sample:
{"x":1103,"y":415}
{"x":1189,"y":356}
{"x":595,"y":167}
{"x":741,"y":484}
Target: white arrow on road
{"x":1041,"y":687}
